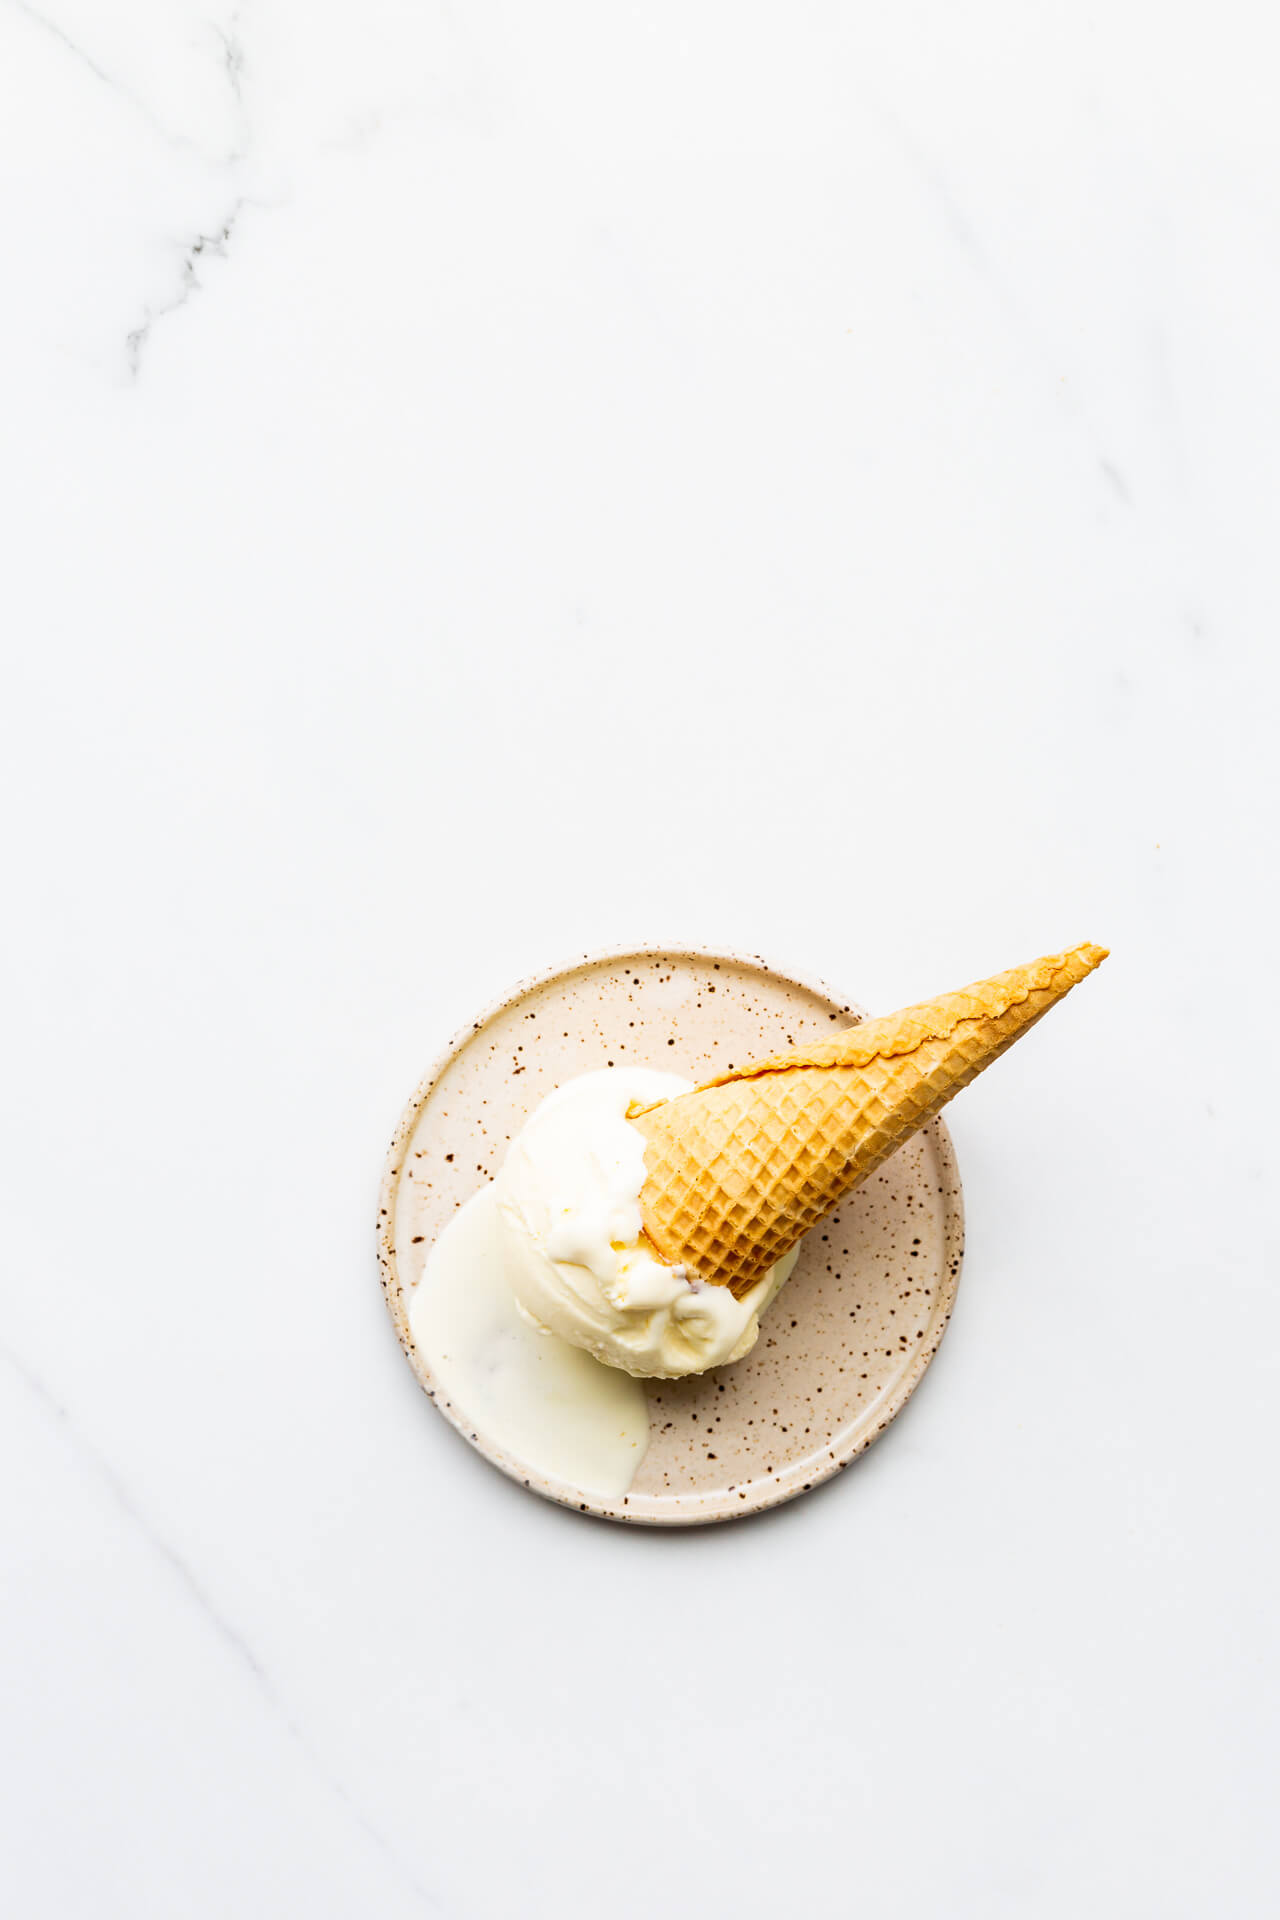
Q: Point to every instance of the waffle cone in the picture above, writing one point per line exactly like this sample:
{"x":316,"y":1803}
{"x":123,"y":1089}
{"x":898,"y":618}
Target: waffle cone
{"x":739,"y":1169}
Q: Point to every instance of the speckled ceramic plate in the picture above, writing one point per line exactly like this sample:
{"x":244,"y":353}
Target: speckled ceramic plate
{"x":850,"y":1336}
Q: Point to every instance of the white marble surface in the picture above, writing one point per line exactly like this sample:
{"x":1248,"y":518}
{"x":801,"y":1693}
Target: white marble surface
{"x":482,"y":481}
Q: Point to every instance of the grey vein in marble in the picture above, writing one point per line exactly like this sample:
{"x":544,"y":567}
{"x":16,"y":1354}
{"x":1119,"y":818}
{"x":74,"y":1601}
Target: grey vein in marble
{"x":194,"y":250}
{"x":118,"y":87}
{"x":196,"y":247}
{"x":971,"y":244}
{"x":201,"y":244}
{"x":233,"y":61}
{"x":230,"y":1636}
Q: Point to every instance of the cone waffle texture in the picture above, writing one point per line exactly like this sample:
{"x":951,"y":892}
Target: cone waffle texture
{"x":738,"y":1170}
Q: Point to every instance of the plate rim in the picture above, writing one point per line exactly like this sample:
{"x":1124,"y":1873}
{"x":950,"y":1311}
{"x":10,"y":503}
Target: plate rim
{"x":564,"y":1493}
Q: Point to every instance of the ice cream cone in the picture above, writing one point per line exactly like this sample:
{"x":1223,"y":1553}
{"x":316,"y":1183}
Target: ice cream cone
{"x":738,"y":1170}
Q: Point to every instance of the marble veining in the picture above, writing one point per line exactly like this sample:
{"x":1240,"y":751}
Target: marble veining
{"x":194,"y":252}
{"x":225,"y":154}
{"x":209,"y":1612}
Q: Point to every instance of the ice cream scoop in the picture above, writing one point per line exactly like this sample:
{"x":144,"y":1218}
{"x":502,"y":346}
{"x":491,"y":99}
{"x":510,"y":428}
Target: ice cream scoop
{"x":573,"y":1249}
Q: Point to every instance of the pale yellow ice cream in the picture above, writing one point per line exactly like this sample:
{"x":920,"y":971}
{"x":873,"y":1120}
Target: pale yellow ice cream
{"x":568,"y":1200}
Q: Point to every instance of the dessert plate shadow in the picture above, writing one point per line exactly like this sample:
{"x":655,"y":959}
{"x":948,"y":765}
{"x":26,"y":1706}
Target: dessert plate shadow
{"x":852,"y":1333}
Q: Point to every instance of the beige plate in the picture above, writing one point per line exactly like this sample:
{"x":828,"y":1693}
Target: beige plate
{"x":851,"y":1334}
